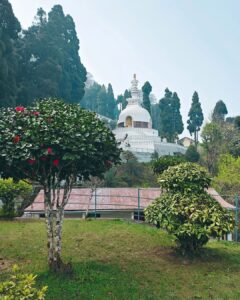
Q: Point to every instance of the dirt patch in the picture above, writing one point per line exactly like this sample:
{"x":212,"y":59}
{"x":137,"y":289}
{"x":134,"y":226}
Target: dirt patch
{"x":5,"y":264}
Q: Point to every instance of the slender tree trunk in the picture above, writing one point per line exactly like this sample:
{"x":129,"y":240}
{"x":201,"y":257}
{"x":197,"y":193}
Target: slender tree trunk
{"x":49,"y":224}
{"x":54,"y":214}
{"x":195,"y":138}
{"x":58,"y":235}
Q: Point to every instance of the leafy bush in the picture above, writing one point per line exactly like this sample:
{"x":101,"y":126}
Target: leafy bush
{"x":192,"y":154}
{"x":186,"y":210}
{"x":185,"y":177}
{"x":163,"y":162}
{"x":193,"y":219}
{"x":227,"y":182}
{"x":21,"y":286}
{"x":9,"y":192}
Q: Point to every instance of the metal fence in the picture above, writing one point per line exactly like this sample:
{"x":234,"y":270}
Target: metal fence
{"x":92,"y":203}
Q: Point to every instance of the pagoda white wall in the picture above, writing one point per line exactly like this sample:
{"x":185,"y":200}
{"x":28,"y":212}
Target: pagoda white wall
{"x":143,"y":142}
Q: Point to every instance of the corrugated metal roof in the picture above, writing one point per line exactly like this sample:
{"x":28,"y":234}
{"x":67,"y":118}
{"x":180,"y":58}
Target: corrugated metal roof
{"x":81,"y":199}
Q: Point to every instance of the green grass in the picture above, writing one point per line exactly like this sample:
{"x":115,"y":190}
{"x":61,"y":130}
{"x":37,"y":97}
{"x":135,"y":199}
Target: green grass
{"x":121,"y":260}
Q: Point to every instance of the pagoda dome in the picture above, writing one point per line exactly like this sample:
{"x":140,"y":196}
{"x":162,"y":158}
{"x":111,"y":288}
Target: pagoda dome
{"x":134,"y":116}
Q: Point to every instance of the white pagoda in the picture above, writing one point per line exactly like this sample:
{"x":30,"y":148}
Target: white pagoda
{"x":135,"y":133}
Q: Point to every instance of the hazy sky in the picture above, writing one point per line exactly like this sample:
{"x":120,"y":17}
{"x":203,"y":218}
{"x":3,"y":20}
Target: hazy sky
{"x":185,"y":45}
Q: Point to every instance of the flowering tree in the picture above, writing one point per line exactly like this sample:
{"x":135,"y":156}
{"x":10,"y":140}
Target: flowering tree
{"x":53,"y":143}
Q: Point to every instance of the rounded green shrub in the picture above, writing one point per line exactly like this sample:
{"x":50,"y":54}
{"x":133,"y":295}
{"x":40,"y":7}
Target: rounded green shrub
{"x":186,"y":210}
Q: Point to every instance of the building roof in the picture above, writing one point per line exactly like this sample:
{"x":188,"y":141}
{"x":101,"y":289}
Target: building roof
{"x":112,"y":199}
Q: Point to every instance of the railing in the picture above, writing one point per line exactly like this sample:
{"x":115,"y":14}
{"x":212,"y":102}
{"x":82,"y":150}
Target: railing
{"x":131,"y":200}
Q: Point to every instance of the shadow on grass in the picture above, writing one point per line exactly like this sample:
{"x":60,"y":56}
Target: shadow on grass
{"x":95,"y":280}
{"x":216,"y":253}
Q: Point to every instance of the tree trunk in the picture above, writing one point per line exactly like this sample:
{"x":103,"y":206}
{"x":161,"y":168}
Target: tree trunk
{"x":195,"y":138}
{"x":54,"y":213}
{"x":49,"y":224}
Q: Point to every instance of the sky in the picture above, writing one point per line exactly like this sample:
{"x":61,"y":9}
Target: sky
{"x":185,"y":45}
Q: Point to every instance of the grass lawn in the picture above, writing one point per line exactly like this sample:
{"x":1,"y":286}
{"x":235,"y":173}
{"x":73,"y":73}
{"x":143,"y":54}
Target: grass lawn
{"x":120,"y":260}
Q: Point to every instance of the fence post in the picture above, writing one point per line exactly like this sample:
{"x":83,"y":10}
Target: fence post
{"x":138,"y":204}
{"x":95,"y":203}
{"x":236,"y":218}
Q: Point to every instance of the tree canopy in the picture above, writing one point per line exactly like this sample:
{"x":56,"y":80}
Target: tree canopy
{"x":170,"y":119}
{"x":195,"y":117}
{"x":146,"y":89}
{"x":219,"y":112}
{"x":54,"y":143}
{"x":9,"y":29}
{"x":45,"y":71}
{"x":41,"y":61}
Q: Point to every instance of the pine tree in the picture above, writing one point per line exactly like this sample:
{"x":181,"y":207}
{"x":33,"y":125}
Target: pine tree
{"x":169,"y":119}
{"x":89,"y":100}
{"x":195,"y":117}
{"x":111,"y":103}
{"x":9,"y":29}
{"x":50,"y":62}
{"x":102,"y":101}
{"x":177,"y":117}
{"x":155,"y":113}
{"x":126,"y":95}
{"x":120,"y":100}
{"x":146,"y":89}
{"x":219,"y":112}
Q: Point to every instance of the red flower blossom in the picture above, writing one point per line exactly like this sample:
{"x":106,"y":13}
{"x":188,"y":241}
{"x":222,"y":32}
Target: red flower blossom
{"x":20,"y":108}
{"x":36,"y":113}
{"x":49,"y":150}
{"x":56,"y":162}
{"x":108,"y":163}
{"x":31,"y":161}
{"x":16,"y":139}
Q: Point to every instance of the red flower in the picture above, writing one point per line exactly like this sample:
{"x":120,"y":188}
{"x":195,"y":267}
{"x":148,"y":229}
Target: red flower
{"x":16,"y":139}
{"x":36,"y":113}
{"x":108,"y":163}
{"x":56,"y":162}
{"x":31,"y":161}
{"x":49,"y":150}
{"x":20,"y":108}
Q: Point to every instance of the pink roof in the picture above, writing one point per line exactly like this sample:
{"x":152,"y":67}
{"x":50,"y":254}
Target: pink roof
{"x":111,"y":199}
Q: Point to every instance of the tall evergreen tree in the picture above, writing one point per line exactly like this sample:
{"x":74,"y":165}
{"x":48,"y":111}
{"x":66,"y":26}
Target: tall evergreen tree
{"x":126,"y":95}
{"x":146,"y":89}
{"x":89,"y":101}
{"x":155,"y":113}
{"x":120,"y":100}
{"x":177,"y":117}
{"x":195,"y":117}
{"x":111,"y":103}
{"x":9,"y":29}
{"x":219,"y":112}
{"x":170,"y":119}
{"x":165,"y":116}
{"x":50,"y":62}
{"x":102,"y":101}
